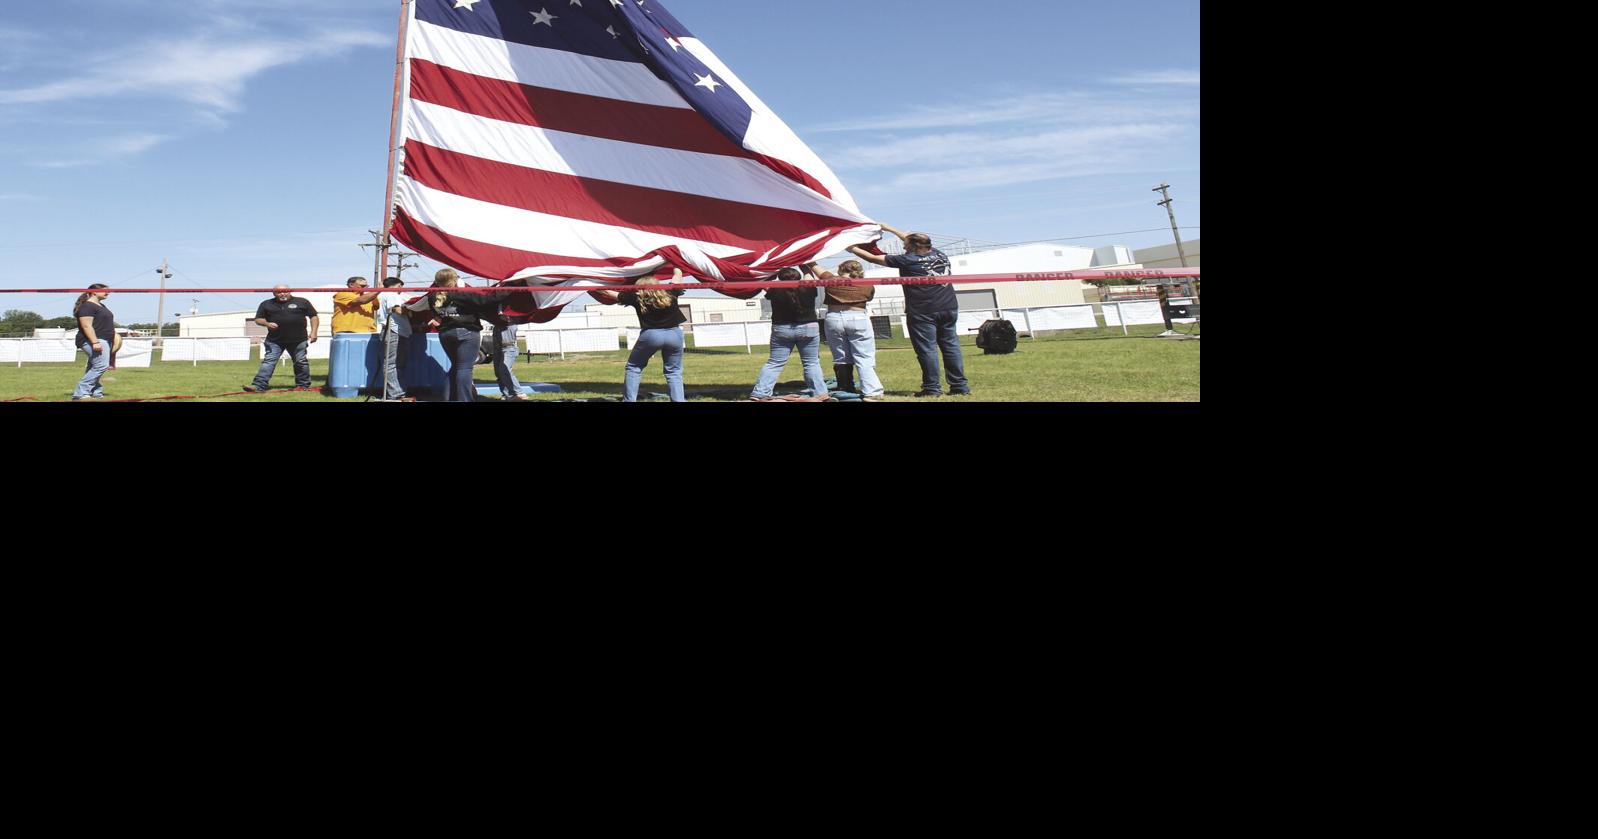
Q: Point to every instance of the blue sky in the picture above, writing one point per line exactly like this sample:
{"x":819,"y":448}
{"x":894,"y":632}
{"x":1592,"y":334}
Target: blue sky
{"x":246,"y":139}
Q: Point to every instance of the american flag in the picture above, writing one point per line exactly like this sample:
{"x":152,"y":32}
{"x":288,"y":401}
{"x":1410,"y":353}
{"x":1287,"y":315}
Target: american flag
{"x":579,"y":142}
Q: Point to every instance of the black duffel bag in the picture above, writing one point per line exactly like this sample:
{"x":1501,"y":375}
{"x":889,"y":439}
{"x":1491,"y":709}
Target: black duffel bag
{"x":996,"y":337}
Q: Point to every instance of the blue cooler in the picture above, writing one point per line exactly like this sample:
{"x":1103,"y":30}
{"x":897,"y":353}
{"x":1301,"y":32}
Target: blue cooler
{"x":354,"y":362}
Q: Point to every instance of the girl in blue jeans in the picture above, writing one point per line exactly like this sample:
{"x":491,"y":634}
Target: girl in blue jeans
{"x":661,"y":319}
{"x":97,"y":337}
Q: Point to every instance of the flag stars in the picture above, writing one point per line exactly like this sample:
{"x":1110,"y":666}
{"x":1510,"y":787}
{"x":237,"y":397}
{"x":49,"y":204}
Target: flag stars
{"x":577,"y":2}
{"x":707,"y":82}
{"x":612,"y":31}
{"x":543,"y":16}
{"x":675,"y":44}
{"x":467,"y":4}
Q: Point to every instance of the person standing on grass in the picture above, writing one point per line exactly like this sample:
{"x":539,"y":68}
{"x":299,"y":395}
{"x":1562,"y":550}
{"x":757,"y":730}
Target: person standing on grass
{"x":355,"y":310}
{"x":286,"y":319}
{"x":933,"y":310}
{"x":794,"y":326}
{"x":460,"y":317}
{"x":97,"y":337}
{"x":850,"y":338}
{"x":396,"y":331}
{"x":505,"y":350}
{"x":660,"y":319}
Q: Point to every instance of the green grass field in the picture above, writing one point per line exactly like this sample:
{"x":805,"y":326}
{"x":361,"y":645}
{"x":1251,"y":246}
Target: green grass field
{"x":1081,"y":366}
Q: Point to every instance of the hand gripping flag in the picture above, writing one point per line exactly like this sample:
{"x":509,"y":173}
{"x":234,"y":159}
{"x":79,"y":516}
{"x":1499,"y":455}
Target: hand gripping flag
{"x":579,"y":142}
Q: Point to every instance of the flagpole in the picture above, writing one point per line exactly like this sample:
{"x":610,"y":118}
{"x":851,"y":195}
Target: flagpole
{"x":393,"y":146}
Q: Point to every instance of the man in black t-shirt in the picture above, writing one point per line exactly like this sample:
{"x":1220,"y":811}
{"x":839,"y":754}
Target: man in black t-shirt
{"x":932,"y":310}
{"x":291,"y":323}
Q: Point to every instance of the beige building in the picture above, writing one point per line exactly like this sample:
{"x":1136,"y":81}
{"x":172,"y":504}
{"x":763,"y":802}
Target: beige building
{"x":1165,"y":256}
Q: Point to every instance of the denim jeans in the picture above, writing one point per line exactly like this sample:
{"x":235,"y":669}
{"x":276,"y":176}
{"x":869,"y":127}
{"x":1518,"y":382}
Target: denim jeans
{"x":934,"y":331}
{"x":394,"y":347}
{"x":99,"y":362}
{"x":852,"y":341}
{"x":667,"y":342}
{"x":786,"y":338}
{"x":505,"y":353}
{"x":461,"y":345}
{"x":272,"y":352}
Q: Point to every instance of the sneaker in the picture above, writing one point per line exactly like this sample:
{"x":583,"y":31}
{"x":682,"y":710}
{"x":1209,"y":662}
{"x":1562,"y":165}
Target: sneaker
{"x":97,"y":396}
{"x":871,"y":399}
{"x":253,"y":389}
{"x":929,"y":393}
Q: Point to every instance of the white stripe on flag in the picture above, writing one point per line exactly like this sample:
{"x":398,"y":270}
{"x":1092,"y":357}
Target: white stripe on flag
{"x":547,"y":68}
{"x":691,"y":173}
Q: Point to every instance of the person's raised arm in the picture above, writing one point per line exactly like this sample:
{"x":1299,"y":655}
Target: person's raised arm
{"x":874,"y":258}
{"x":900,"y":233}
{"x":817,"y":271}
{"x":609,"y":298}
{"x":368,"y":297}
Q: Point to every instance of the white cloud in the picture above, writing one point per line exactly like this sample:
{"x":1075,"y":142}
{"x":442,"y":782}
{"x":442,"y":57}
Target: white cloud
{"x":210,"y":69}
{"x":1186,"y":78}
{"x":937,"y":150}
{"x":109,"y":150}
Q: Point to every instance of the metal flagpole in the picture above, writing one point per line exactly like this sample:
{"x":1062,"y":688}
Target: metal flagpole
{"x":393,"y":145}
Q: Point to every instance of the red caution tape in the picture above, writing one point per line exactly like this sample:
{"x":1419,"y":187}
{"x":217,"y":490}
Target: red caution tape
{"x":1043,"y":277}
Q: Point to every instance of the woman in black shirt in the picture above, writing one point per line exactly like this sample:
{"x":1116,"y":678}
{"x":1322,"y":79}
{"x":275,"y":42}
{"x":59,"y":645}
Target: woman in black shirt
{"x":661,"y":320}
{"x":460,"y":329}
{"x":97,"y":337}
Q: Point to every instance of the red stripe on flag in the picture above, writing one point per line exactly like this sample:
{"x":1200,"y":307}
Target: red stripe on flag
{"x":491,"y":261}
{"x":591,"y":116}
{"x":676,"y":214}
{"x":575,"y":113}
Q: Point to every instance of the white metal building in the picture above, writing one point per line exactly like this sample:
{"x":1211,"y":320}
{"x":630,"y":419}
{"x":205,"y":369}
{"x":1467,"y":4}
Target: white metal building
{"x":1014,"y":260}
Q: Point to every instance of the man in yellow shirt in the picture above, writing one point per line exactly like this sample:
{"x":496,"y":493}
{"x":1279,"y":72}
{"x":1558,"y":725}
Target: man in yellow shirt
{"x":355,"y":310}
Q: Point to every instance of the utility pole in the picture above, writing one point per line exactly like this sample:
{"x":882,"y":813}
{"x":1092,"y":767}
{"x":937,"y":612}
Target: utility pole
{"x":160,"y":311}
{"x":399,"y":262}
{"x":379,"y":267}
{"x":1181,"y":252}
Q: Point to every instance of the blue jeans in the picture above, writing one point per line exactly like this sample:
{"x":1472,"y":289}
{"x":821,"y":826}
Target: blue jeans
{"x":852,"y":341}
{"x":505,"y":353}
{"x":667,"y":342}
{"x":272,"y":352}
{"x":394,"y":347}
{"x":930,"y":333}
{"x":785,"y":339}
{"x":461,"y":345}
{"x":99,"y":362}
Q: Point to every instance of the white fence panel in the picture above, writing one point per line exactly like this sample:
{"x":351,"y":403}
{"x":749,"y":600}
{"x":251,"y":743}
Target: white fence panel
{"x":135,"y":353}
{"x":731,"y":334}
{"x":44,"y":351}
{"x":1056,"y":319}
{"x":10,"y":350}
{"x":574,"y":340}
{"x":1142,"y":313}
{"x":205,"y":349}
